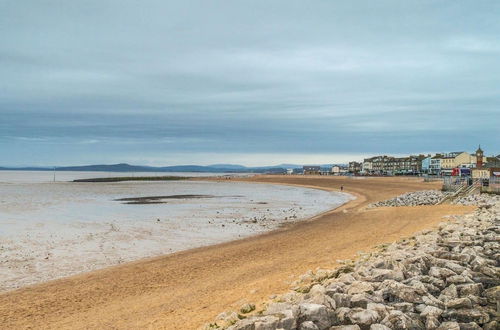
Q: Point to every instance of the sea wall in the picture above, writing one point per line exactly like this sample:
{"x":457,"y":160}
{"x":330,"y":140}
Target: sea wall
{"x":446,"y":278}
{"x":424,"y":197}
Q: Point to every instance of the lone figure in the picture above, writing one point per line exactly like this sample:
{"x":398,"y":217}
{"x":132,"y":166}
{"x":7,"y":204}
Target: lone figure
{"x":341,"y":188}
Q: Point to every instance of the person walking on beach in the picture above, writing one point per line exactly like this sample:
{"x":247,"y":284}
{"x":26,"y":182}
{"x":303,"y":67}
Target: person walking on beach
{"x":341,"y":188}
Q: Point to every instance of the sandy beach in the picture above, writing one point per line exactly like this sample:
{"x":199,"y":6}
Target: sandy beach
{"x":186,"y":289}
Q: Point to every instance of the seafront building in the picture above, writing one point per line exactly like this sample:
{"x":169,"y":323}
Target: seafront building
{"x":388,"y":165}
{"x":459,"y":163}
{"x":354,"y":167}
{"x":439,"y":164}
{"x":435,"y":165}
{"x":311,"y":170}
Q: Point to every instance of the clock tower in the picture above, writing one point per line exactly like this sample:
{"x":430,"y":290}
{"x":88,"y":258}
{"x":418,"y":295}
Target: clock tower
{"x":479,"y":157}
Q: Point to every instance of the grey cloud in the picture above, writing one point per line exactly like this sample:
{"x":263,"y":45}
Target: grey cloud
{"x":232,"y":76}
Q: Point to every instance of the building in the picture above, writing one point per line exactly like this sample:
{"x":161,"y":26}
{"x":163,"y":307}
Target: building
{"x":460,"y":159}
{"x":367,"y":166}
{"x":485,"y":172}
{"x":387,"y":165}
{"x":485,"y":167}
{"x":435,"y":165}
{"x":493,"y":161}
{"x":311,"y":170}
{"x":354,"y":167}
{"x":426,"y":164}
{"x":479,"y":157}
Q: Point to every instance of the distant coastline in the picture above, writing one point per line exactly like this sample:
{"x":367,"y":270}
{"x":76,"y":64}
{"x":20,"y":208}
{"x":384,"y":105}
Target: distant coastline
{"x":219,"y":168}
{"x":134,"y":178}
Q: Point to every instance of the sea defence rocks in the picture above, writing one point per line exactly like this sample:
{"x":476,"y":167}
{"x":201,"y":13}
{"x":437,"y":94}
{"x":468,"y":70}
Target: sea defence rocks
{"x":424,"y":197}
{"x":447,"y":278}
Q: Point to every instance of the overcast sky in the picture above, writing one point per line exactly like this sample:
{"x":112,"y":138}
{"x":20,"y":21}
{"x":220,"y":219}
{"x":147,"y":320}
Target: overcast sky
{"x":249,"y":82}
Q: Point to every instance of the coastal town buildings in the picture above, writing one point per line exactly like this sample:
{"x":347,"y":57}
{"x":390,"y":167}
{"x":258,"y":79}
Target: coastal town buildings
{"x":387,"y":165}
{"x":367,"y":166}
{"x":459,"y":163}
{"x":435,"y":165}
{"x":426,"y":164}
{"x":311,"y":170}
{"x":453,"y":160}
{"x":485,"y":170}
{"x":354,"y":167}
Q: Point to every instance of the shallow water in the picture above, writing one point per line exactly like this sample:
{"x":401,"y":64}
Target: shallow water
{"x":49,"y":230}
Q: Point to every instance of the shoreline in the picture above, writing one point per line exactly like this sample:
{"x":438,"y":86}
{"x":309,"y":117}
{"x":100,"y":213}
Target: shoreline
{"x":254,"y":263}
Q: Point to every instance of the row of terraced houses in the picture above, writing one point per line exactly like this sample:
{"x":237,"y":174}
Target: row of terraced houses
{"x":452,"y":163}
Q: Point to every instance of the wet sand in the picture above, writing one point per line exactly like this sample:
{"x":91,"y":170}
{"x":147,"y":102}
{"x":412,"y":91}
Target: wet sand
{"x":54,"y":230}
{"x":186,"y":289}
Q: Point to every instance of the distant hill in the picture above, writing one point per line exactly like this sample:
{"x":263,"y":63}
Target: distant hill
{"x":123,"y":167}
{"x":229,"y":166}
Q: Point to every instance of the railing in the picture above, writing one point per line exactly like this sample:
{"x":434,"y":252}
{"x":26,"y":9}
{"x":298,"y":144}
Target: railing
{"x":491,"y":185}
{"x":432,"y":178}
{"x":456,"y":184}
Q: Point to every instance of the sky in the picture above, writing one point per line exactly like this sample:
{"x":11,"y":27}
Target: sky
{"x":245,"y":82}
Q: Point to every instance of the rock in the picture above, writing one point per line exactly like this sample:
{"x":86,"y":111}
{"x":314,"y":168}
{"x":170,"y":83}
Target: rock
{"x":457,"y":279}
{"x":449,"y":293}
{"x":243,"y":325}
{"x":431,"y":301}
{"x":308,"y":325}
{"x":361,"y":300}
{"x":449,"y":326}
{"x":379,"y":275}
{"x":398,"y":320}
{"x":320,"y":298}
{"x":227,"y":316}
{"x":404,"y":307}
{"x":333,"y":288}
{"x":247,"y":308}
{"x":474,"y":289}
{"x":393,"y":291}
{"x":493,"y":295}
{"x":431,"y":311}
{"x":341,"y":315}
{"x":359,"y":287}
{"x":431,"y":315}
{"x":316,"y":313}
{"x":459,"y":303}
{"x":493,"y":325}
{"x":379,"y":326}
{"x":266,"y":323}
{"x":470,"y":326}
{"x":467,"y":316}
{"x":346,"y":279}
{"x":363,"y":317}
{"x":441,"y":273}
{"x":381,"y":309}
{"x":345,"y":327}
{"x":287,"y":319}
{"x":280,"y":307}
{"x":342,"y":300}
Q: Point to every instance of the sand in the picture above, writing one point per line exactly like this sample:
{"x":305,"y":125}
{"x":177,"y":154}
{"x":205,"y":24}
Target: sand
{"x":186,"y":289}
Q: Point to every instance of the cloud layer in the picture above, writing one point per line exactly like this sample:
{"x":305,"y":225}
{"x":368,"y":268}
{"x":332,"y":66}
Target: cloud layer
{"x":203,"y":82}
